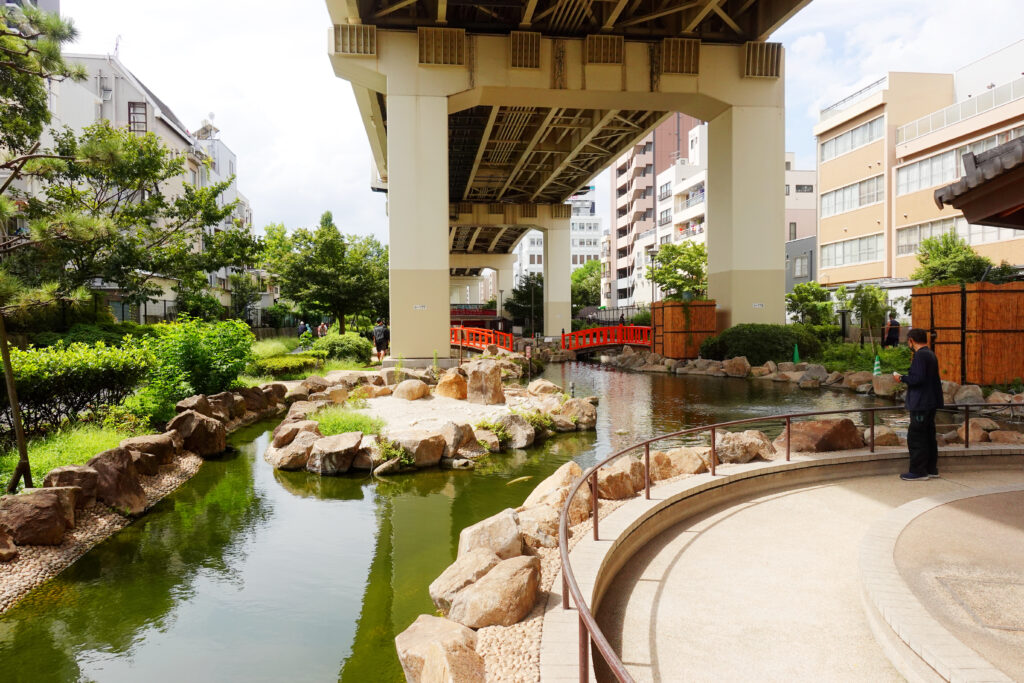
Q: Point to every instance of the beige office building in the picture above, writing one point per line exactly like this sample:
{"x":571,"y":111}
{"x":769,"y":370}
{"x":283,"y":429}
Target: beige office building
{"x":884,"y":150}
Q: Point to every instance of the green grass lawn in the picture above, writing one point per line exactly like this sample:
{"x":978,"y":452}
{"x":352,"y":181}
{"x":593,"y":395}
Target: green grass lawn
{"x":328,"y":366}
{"x":275,"y":346}
{"x":70,"y":446}
{"x":339,"y":419}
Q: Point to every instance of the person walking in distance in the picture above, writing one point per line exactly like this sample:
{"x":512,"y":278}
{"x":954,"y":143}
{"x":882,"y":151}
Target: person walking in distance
{"x":381,"y":339}
{"x":924,"y":397}
{"x":892,"y":332}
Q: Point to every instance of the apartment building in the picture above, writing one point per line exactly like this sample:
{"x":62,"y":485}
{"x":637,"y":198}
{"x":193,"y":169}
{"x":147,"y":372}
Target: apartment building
{"x":801,"y":224}
{"x":635,"y":205}
{"x":586,"y":229}
{"x":112,"y":92}
{"x":884,"y":150}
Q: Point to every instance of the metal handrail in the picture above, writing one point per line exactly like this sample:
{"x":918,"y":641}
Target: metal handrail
{"x":637,"y":335}
{"x":480,"y":338}
{"x":588,"y":628}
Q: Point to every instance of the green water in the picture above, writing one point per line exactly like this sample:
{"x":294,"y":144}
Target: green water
{"x":249,"y":574}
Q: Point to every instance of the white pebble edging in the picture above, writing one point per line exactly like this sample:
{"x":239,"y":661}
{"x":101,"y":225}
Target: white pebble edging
{"x":37,"y":564}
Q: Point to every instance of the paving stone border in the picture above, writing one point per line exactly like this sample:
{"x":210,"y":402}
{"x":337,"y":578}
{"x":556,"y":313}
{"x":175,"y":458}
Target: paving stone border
{"x":888,"y":593}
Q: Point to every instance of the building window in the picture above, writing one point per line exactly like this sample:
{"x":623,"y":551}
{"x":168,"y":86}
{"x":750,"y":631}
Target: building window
{"x":937,"y":170}
{"x":787,"y":190}
{"x":805,"y":188}
{"x":193,"y":176}
{"x":665,"y":191}
{"x":792,"y":230}
{"x":137,"y":117}
{"x":789,"y":166}
{"x":870,"y":191}
{"x":665,"y":217}
{"x":849,"y":252}
{"x":852,"y":139}
{"x":800,"y":265}
{"x":908,"y":240}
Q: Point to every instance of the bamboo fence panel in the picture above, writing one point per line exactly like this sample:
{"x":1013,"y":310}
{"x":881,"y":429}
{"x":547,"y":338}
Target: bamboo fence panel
{"x":672,"y":337}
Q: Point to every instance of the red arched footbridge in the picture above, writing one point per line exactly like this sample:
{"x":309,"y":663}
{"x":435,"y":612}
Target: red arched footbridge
{"x":598,"y":337}
{"x":480,"y":338}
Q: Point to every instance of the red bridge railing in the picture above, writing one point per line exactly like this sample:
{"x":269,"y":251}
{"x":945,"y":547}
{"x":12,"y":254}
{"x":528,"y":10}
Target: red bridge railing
{"x":480,"y":338}
{"x":607,"y":336}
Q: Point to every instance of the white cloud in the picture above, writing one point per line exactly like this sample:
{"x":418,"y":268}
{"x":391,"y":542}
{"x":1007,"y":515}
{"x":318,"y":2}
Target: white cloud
{"x":263,"y":71}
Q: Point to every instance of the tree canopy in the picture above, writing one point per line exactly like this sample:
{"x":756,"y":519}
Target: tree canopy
{"x":869,"y":304}
{"x":948,"y":260}
{"x":681,"y":270}
{"x":331,"y":273}
{"x":527,"y":301}
{"x":586,"y":286}
{"x":810,"y":303}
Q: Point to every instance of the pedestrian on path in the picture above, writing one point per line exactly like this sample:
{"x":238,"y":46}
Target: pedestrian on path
{"x":302,"y":327}
{"x":891,"y":337}
{"x":381,"y":339}
{"x":924,"y":397}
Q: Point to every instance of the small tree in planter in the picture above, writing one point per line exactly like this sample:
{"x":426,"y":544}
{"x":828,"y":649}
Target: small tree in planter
{"x":681,"y":270}
{"x":870,"y":304}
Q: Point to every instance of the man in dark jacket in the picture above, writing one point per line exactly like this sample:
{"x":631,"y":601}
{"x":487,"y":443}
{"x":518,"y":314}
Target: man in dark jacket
{"x":924,"y":397}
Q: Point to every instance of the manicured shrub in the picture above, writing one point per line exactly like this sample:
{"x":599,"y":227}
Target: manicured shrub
{"x":844,"y":357}
{"x":348,"y":345}
{"x":193,"y":357}
{"x":58,"y":383}
{"x":290,"y":364}
{"x":110,"y":333}
{"x":761,"y":343}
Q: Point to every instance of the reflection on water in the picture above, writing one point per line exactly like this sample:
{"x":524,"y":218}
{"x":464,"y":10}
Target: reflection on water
{"x":246,"y":573}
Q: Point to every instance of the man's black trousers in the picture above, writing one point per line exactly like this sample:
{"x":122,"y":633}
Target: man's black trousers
{"x":924,"y":451}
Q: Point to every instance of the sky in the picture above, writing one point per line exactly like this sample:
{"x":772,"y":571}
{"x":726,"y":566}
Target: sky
{"x":262,"y":71}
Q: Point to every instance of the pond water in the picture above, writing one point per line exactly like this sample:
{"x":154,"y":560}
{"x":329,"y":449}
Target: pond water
{"x":247,"y":573}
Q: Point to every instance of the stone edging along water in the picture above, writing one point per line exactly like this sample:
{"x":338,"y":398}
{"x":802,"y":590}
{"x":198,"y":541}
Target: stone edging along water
{"x":43,"y":530}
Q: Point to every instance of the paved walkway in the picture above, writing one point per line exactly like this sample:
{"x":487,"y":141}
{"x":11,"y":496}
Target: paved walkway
{"x":769,"y":589}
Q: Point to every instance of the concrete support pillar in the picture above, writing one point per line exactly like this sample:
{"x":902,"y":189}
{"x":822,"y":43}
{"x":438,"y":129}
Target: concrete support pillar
{"x":746,"y":173}
{"x":557,"y":284}
{"x":506,"y":283}
{"x":418,"y":225}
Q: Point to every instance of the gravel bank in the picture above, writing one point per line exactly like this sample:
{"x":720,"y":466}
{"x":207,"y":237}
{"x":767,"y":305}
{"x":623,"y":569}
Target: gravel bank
{"x":36,"y":564}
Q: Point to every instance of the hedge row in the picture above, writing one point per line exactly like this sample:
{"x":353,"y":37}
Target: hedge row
{"x":348,"y":345}
{"x":761,"y":343}
{"x":290,"y":364}
{"x":60,"y":382}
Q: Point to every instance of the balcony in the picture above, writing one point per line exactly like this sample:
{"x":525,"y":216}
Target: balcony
{"x":961,"y":111}
{"x":694,"y":200}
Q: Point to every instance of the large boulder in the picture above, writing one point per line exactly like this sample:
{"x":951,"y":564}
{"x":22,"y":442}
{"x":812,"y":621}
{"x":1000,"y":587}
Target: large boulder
{"x":543,"y":387}
{"x":81,"y":476}
{"x":146,"y":464}
{"x":255,"y":399}
{"x":852,"y":380}
{"x":615,"y":482}
{"x":221,"y":406}
{"x":33,"y":518}
{"x":67,"y":499}
{"x":484,"y":385}
{"x":683,"y":460}
{"x":978,"y":432}
{"x":1006,"y":436}
{"x":818,"y":436}
{"x":368,"y":457}
{"x":296,"y":393}
{"x":884,"y":436}
{"x":333,"y":455}
{"x":203,"y":435}
{"x":295,"y":455}
{"x":581,"y":412}
{"x":466,"y":570}
{"x":315,"y":383}
{"x":8,"y":551}
{"x":160,"y":445}
{"x":502,"y":597}
{"x":949,"y":390}
{"x":833,"y":378}
{"x":815,"y":371}
{"x":426,"y":448}
{"x":285,"y":432}
{"x":498,"y":533}
{"x":553,"y":491}
{"x":411,"y":390}
{"x":538,"y":526}
{"x":431,"y":638}
{"x":117,"y":482}
{"x":458,"y":437}
{"x":743,"y":446}
{"x":520,"y":432}
{"x":885,"y":385}
{"x":488,"y":439}
{"x":452,"y":385}
{"x":372,"y":391}
{"x":736,"y":367}
{"x":999,"y":397}
{"x":198,"y":403}
{"x":969,"y":393}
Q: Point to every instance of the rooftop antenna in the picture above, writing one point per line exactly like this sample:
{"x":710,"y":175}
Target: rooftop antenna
{"x":117,"y":45}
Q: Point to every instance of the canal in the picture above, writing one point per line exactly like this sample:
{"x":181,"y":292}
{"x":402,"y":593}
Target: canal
{"x":247,"y":573}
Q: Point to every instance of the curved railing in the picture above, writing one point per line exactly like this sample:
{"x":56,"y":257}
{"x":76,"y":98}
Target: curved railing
{"x":588,"y":628}
{"x":480,"y":338}
{"x":607,"y":336}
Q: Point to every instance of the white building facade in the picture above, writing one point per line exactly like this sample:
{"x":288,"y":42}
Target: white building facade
{"x":586,"y":228}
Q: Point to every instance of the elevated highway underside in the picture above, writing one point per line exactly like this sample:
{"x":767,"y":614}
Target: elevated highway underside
{"x":502,"y":109}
